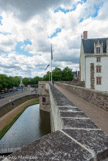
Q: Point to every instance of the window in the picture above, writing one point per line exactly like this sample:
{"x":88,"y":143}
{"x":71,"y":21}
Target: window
{"x":98,"y":69}
{"x":98,"y":50}
{"x":43,"y":99}
{"x":98,"y":59}
{"x":98,"y":80}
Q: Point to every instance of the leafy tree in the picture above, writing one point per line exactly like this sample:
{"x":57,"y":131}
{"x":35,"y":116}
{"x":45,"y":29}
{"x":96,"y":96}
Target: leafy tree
{"x":32,"y":82}
{"x":35,"y":80}
{"x":60,"y":75}
{"x":0,"y":86}
{"x":57,"y":74}
{"x":10,"y":82}
{"x":25,"y":81}
{"x":46,"y":77}
{"x":0,"y":83}
{"x":4,"y":80}
{"x":67,"y":74}
{"x":16,"y":81}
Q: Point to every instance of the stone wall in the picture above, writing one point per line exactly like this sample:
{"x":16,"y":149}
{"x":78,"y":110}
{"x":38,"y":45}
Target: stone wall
{"x":74,"y":82}
{"x":56,"y":121}
{"x":43,"y":96}
{"x":16,"y":102}
{"x":98,"y":98}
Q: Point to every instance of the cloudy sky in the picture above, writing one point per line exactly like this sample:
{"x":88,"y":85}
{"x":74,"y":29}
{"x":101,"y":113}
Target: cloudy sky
{"x":28,"y":27}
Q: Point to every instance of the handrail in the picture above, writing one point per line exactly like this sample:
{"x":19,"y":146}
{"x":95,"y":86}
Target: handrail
{"x":9,"y":148}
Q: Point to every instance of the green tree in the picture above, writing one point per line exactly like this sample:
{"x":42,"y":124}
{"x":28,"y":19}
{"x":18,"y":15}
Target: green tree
{"x":4,"y":81}
{"x":25,"y":81}
{"x":35,"y":80}
{"x":16,"y":81}
{"x":57,"y":74}
{"x":46,"y":77}
{"x":10,"y":82}
{"x":32,"y":82}
{"x":67,"y":74}
{"x":0,"y":83}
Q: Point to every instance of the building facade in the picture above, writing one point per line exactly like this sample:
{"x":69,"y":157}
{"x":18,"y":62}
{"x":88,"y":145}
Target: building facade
{"x":94,"y":63}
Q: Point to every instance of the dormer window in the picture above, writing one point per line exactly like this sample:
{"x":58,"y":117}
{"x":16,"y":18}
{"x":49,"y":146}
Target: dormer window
{"x":98,"y":47}
{"x":98,"y":50}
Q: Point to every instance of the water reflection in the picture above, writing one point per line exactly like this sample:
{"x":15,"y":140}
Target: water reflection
{"x":31,"y":125}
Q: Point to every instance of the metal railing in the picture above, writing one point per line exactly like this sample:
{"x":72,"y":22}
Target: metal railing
{"x":10,"y":148}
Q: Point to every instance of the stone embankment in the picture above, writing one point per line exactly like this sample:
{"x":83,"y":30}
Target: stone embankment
{"x":15,"y":102}
{"x":74,"y":136}
{"x":98,"y":98}
{"x":7,"y":118}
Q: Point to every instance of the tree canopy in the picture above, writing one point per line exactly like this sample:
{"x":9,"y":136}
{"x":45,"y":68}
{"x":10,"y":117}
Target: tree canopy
{"x":57,"y":75}
{"x":8,"y":82}
{"x":67,"y":74}
{"x":31,"y":81}
{"x":60,"y":75}
{"x":25,"y":81}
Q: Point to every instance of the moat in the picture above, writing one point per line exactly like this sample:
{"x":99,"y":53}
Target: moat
{"x":31,"y":125}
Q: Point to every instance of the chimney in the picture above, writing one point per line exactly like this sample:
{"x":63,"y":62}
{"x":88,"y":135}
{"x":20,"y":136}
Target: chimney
{"x":85,"y":35}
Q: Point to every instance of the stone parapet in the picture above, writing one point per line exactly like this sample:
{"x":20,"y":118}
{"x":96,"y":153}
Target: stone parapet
{"x":98,"y":98}
{"x":74,"y":82}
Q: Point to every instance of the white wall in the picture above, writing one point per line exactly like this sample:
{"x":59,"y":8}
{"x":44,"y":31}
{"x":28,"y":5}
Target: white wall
{"x":103,"y":74}
{"x":82,"y":63}
{"x":56,"y":120}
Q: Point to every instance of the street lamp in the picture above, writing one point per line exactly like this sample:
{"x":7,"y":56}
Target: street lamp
{"x":51,"y":61}
{"x":49,"y":71}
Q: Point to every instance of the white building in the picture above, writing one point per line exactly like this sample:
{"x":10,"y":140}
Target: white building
{"x":94,"y":63}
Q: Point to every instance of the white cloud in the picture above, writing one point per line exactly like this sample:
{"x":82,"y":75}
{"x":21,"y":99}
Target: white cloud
{"x":26,"y":9}
{"x":7,"y":43}
{"x":37,"y":22}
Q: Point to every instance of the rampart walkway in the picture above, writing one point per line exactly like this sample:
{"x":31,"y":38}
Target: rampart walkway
{"x":74,"y":136}
{"x":98,"y":115}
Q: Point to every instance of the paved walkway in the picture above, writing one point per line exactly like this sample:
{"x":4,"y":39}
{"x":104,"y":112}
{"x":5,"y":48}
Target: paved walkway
{"x":15,"y":96}
{"x":98,"y":115}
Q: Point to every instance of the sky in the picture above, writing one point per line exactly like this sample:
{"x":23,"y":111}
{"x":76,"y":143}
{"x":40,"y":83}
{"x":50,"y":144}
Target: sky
{"x":28,"y":27}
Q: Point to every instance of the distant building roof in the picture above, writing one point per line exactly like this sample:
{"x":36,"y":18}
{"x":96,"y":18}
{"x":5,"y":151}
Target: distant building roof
{"x":89,"y":44}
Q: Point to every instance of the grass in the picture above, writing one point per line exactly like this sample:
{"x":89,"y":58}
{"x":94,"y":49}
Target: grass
{"x":8,"y":107}
{"x":7,"y":127}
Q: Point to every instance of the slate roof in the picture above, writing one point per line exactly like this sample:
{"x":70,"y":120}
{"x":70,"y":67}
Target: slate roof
{"x":89,"y":45}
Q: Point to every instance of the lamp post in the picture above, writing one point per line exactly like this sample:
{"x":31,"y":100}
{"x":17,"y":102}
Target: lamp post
{"x":51,"y":61}
{"x":49,"y":76}
{"x":49,"y":71}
